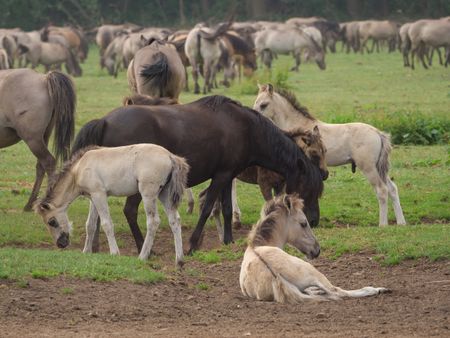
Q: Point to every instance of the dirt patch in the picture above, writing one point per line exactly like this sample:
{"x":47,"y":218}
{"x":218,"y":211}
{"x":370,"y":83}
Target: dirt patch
{"x":205,"y":300}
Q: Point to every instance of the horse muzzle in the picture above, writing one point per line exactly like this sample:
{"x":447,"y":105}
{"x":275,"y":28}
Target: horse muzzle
{"x":63,"y":240}
{"x":314,"y":253}
{"x":324,"y":174}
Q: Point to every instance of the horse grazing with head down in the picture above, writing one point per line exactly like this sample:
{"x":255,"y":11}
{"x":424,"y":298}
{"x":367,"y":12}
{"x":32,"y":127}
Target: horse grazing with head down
{"x":98,"y":173}
{"x":156,"y":70}
{"x":44,"y":103}
{"x":195,"y":131}
{"x":360,"y":144}
{"x":268,"y":273}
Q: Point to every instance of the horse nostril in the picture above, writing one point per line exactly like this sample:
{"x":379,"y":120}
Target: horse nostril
{"x":63,"y":240}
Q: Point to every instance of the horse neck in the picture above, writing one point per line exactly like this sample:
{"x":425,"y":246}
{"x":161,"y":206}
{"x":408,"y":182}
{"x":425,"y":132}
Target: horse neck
{"x":278,"y":238}
{"x":65,"y":191}
{"x":287,"y":117}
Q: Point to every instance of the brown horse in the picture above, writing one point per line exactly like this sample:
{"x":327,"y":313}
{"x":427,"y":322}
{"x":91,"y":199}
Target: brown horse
{"x":43,"y":103}
{"x":156,"y":70}
{"x":196,"y":132}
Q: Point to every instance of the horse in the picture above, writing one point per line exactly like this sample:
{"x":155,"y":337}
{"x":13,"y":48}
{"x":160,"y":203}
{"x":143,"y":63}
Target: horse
{"x":360,"y":144}
{"x":98,"y":172}
{"x":290,"y":40}
{"x":270,"y":274}
{"x":195,"y":131}
{"x":311,"y":144}
{"x":51,"y":55}
{"x":202,"y":48}
{"x":156,"y":70}
{"x":241,"y":52}
{"x":112,"y":57}
{"x":43,"y":104}
{"x":4,"y":62}
{"x":377,"y":31}
{"x":405,"y":43}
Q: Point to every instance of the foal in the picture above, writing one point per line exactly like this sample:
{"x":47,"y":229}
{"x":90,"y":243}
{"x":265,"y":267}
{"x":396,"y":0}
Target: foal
{"x":97,"y":173}
{"x":268,"y":273}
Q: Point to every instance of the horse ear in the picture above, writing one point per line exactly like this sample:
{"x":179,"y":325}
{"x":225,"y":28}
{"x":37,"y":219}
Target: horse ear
{"x":316,"y":131}
{"x":144,"y":40}
{"x":287,"y":202}
{"x":270,"y":89}
{"x":261,"y":88}
{"x":127,"y":101}
{"x":306,"y":140}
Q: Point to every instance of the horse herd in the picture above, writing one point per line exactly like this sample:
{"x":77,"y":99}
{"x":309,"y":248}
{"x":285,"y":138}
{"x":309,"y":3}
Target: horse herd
{"x":153,"y":148}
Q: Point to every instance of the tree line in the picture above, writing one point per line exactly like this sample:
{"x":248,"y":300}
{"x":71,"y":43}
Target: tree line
{"x":31,"y":14}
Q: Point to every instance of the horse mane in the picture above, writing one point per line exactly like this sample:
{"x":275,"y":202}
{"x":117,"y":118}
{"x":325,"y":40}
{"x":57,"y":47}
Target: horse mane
{"x":238,"y":43}
{"x":262,"y":232}
{"x":292,"y":99}
{"x":296,"y":132}
{"x":215,"y":101}
{"x":63,"y":172}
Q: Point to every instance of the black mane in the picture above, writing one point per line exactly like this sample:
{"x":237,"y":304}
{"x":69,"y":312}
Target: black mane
{"x":238,"y":43}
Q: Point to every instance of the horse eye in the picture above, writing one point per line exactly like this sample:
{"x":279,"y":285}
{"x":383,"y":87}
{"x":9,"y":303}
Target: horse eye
{"x":263,"y":106}
{"x":53,"y":222}
{"x":304,"y":224}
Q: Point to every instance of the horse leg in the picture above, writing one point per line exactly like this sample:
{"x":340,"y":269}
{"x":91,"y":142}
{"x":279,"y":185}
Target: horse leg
{"x":101,"y":204}
{"x":175,"y":225}
{"x":381,"y":190}
{"x":393,"y":194}
{"x":212,"y":193}
{"x":297,"y":58}
{"x":190,"y":198}
{"x":186,"y":84}
{"x":195,"y":78}
{"x":373,"y":46}
{"x":130,"y":211}
{"x":91,"y":227}
{"x":227,"y":212}
{"x":153,"y":222}
{"x":236,"y":210}
{"x":207,"y":72}
{"x":438,"y":51}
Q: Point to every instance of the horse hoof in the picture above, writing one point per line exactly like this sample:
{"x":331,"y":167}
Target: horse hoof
{"x":191,"y":251}
{"x":27,"y":208}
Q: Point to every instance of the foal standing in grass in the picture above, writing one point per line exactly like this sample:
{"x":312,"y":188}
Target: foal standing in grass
{"x":268,"y":273}
{"x":97,"y":173}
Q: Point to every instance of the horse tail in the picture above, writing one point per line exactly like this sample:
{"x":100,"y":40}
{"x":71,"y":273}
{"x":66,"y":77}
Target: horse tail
{"x":90,"y":134}
{"x":158,"y":71}
{"x":73,"y":63}
{"x":177,"y":180}
{"x":383,"y":158}
{"x":63,"y":99}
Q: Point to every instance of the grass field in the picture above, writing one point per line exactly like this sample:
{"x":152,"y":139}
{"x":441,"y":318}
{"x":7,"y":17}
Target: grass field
{"x":354,"y":87}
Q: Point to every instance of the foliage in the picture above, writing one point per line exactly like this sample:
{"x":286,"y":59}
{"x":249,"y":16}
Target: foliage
{"x":90,"y":13}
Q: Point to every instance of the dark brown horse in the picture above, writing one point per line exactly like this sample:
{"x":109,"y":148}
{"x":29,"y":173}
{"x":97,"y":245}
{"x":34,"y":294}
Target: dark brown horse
{"x":32,"y":105}
{"x":219,"y":138}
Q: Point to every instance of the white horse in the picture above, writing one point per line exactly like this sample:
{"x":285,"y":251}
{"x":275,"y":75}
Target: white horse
{"x":289,"y":40}
{"x":360,"y":144}
{"x":202,"y":48}
{"x":268,"y":273}
{"x":98,"y":172}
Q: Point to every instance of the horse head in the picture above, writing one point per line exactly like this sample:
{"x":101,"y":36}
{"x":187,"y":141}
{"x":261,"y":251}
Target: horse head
{"x":57,"y":221}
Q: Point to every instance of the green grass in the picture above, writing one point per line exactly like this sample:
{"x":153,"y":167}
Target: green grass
{"x":26,"y":263}
{"x":372,"y":87}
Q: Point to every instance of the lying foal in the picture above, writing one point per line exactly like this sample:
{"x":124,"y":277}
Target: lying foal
{"x":268,"y":273}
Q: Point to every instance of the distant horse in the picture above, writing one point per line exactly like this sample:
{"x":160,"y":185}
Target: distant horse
{"x":377,"y":31}
{"x":202,"y":48}
{"x":360,"y":144}
{"x":51,"y":55}
{"x":290,"y":40}
{"x":270,"y":274}
{"x":241,"y":53}
{"x":156,"y":70}
{"x":98,"y":173}
{"x":43,"y":103}
{"x":4,"y":63}
{"x":196,"y":132}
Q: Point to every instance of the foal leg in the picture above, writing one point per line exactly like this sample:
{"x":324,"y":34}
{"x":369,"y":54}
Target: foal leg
{"x":91,"y":227}
{"x":227,"y":212}
{"x":153,"y":222}
{"x":190,"y":198}
{"x":236,"y":210}
{"x":393,"y":194}
{"x":381,"y":190}
{"x":175,"y":225}
{"x":101,"y":204}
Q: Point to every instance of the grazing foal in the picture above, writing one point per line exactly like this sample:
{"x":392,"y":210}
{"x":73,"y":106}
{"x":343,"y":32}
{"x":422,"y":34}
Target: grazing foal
{"x":268,"y":273}
{"x":97,"y":173}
